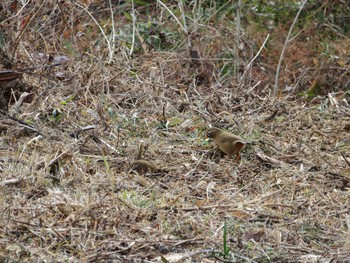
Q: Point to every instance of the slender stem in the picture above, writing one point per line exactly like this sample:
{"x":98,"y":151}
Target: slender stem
{"x":275,"y":88}
{"x":133,"y":27}
{"x":173,"y":15}
{"x":238,"y":40}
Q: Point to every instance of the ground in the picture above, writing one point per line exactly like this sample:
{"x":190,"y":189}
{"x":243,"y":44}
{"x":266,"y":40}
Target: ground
{"x":69,"y":194}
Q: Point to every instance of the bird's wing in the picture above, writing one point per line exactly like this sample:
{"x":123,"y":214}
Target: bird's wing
{"x":230,"y":139}
{"x":236,"y":146}
{"x":236,"y":143}
{"x":239,"y":144}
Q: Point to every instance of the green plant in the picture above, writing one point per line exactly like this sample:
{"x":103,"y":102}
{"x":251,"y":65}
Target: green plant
{"x":226,"y":252}
{"x":226,"y":249}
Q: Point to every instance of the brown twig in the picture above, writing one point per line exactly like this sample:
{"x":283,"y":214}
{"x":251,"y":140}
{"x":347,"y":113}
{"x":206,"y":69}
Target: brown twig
{"x":18,"y":40}
{"x":22,"y":123}
{"x":346,"y":160}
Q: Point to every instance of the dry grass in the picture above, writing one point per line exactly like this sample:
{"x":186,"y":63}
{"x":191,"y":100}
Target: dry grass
{"x":68,"y":195}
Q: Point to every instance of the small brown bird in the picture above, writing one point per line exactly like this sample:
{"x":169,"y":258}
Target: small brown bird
{"x":143,"y":166}
{"x":229,"y":143}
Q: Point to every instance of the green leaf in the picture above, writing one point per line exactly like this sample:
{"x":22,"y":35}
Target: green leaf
{"x":141,"y":2}
{"x":226,"y":249}
{"x":69,"y":99}
{"x":128,"y":16}
{"x":174,"y":121}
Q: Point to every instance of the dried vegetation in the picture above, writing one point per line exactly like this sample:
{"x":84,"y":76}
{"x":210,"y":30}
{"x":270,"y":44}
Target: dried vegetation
{"x":70,"y":132}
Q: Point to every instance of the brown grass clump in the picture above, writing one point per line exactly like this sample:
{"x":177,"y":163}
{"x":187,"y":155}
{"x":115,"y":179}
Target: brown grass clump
{"x":68,"y":190}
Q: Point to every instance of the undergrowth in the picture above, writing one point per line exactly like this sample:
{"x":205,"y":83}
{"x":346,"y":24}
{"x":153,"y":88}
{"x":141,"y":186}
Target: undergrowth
{"x":88,"y":87}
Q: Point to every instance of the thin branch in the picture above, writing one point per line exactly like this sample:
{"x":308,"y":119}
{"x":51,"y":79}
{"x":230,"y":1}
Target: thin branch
{"x":251,"y":62}
{"x":238,"y":38}
{"x":110,"y":50}
{"x":172,"y":14}
{"x":275,"y":88}
{"x":346,"y":160}
{"x":18,"y":40}
{"x":133,"y":27}
{"x":180,"y":3}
